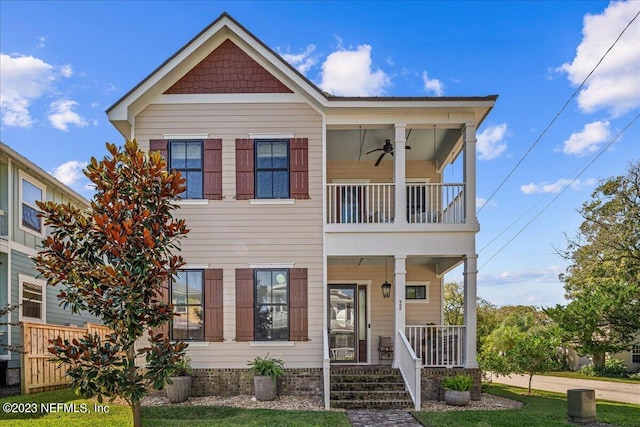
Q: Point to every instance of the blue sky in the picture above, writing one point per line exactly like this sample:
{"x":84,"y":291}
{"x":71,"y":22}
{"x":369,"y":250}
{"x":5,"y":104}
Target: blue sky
{"x":64,"y":63}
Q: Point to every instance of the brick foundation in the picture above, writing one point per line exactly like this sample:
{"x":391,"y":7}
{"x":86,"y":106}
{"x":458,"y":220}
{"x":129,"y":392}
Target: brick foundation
{"x":431,"y":378}
{"x":230,"y":382}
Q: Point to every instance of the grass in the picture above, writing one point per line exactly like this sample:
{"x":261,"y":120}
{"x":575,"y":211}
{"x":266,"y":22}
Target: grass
{"x":174,"y":416}
{"x":578,"y":375}
{"x":541,"y":409}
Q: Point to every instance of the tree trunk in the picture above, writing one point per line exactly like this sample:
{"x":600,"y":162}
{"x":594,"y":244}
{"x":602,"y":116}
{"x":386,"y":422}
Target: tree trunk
{"x":530,"y":378}
{"x":598,"y":360}
{"x":137,"y":417}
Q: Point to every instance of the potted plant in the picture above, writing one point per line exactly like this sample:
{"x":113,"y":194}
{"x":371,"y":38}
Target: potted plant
{"x":178,"y":386}
{"x":266,"y":371}
{"x":457,"y":389}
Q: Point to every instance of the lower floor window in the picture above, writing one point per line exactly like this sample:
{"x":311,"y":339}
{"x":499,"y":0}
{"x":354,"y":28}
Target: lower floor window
{"x":187,"y":299}
{"x":32,"y":299}
{"x":635,"y":354}
{"x":272,"y":305}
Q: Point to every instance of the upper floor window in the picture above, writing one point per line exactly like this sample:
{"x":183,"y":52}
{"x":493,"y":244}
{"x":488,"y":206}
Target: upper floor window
{"x":31,"y":191}
{"x":272,"y":169}
{"x":186,"y":157}
{"x":33,"y":298}
{"x":272,"y":305}
{"x":187,"y":297}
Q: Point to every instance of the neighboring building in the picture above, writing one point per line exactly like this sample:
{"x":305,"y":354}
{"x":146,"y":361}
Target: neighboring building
{"x":295,"y":223}
{"x":630,"y":358}
{"x":22,"y":183}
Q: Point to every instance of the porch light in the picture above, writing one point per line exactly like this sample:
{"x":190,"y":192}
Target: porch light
{"x":386,"y":289}
{"x":386,"y":286}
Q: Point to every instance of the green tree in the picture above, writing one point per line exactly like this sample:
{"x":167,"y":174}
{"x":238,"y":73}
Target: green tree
{"x":453,"y":309}
{"x":602,"y":281}
{"x":601,"y":319}
{"x":113,"y":261}
{"x":607,"y":245}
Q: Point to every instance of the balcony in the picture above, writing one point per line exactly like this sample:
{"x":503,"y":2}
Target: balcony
{"x":374,"y":203}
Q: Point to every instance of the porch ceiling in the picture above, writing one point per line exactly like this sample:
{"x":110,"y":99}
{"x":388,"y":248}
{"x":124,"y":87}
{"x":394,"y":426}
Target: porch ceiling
{"x":443,"y":264}
{"x":353,"y":144}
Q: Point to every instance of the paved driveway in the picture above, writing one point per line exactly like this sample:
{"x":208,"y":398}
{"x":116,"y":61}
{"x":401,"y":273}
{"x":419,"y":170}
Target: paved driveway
{"x":617,"y":392}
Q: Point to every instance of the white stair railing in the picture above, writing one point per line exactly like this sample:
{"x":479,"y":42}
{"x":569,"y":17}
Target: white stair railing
{"x":410,"y":366}
{"x":437,"y":345}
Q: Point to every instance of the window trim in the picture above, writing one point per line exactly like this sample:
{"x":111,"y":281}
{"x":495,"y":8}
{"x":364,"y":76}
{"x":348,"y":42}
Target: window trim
{"x":187,"y":305}
{"x":256,"y":305}
{"x":426,"y":284}
{"x":256,"y":169}
{"x":635,"y":352}
{"x":22,"y":279}
{"x":201,"y":169}
{"x":23,"y":176}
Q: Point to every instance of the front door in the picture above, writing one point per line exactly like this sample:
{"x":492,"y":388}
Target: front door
{"x":347,"y":323}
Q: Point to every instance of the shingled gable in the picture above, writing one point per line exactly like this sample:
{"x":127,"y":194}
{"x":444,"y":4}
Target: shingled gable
{"x":199,"y":55}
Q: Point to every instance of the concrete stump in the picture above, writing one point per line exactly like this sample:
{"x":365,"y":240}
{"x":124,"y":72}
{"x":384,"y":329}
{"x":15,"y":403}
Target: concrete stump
{"x":581,"y":406}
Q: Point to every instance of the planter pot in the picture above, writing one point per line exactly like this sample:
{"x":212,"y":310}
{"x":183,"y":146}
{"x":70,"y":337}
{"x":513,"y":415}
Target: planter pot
{"x":180,"y":390}
{"x":457,"y":398}
{"x":266,"y":387}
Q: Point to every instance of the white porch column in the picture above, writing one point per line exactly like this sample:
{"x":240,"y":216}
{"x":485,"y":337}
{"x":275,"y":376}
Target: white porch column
{"x":399,"y":281}
{"x":470,"y":321}
{"x":470,"y":173}
{"x":399,"y":174}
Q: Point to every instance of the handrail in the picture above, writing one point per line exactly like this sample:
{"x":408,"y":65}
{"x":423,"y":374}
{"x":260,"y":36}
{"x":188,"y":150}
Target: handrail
{"x":326,"y":374}
{"x":438,"y":345}
{"x":410,"y":366}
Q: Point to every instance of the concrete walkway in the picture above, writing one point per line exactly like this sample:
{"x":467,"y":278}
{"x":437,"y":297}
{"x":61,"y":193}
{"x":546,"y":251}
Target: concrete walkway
{"x":381,"y":418}
{"x":606,"y":390}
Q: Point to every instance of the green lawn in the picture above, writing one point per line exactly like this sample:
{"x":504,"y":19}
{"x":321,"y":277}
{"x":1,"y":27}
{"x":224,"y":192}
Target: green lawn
{"x":174,"y":416}
{"x":543,"y":409}
{"x":578,"y":375}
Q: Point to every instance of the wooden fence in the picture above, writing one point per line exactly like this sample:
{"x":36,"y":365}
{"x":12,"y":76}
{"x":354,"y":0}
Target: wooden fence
{"x":38,"y":372}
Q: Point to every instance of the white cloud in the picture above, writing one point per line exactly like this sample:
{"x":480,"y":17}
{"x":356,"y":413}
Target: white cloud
{"x":544,"y":275}
{"x":41,"y":42}
{"x":615,"y":85}
{"x":558,"y":186}
{"x":349,"y":73}
{"x":480,"y":202}
{"x":434,"y":86}
{"x":302,"y":61}
{"x":66,"y":71}
{"x":70,"y":173}
{"x":588,"y":140}
{"x":24,"y":78}
{"x":491,"y":142}
{"x":61,"y":115}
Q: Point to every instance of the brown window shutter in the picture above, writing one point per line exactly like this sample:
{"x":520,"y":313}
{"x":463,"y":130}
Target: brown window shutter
{"x":298,"y":312}
{"x":213,"y":169}
{"x":299,"y":168}
{"x":213,"y":300}
{"x":164,"y":297}
{"x":244,"y":304}
{"x":244,"y":169}
{"x":161,"y":145}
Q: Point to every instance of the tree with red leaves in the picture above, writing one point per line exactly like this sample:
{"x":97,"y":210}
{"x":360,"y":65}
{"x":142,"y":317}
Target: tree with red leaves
{"x":114,"y":261}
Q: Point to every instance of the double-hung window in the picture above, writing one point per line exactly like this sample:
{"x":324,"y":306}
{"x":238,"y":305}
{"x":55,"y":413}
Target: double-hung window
{"x":272,"y":168}
{"x":186,"y":157}
{"x":32,"y":299}
{"x":187,"y":297}
{"x":271,"y":305}
{"x":635,"y":353}
{"x":31,"y":191}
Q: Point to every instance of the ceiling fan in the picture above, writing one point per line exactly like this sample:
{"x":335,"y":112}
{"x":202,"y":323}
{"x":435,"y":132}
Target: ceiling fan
{"x":387,"y":148}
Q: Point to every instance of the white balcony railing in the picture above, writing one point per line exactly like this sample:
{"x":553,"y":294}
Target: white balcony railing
{"x":374,"y":203}
{"x":437,"y":345}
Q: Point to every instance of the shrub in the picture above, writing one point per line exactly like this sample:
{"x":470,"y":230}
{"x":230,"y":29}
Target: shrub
{"x":613,"y":368}
{"x":267,"y":366}
{"x":182,"y":367}
{"x":461,"y":382}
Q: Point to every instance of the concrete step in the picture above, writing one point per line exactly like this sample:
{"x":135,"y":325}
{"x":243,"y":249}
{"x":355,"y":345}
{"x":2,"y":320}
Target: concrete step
{"x":361,"y":386}
{"x":364,"y":395}
{"x":372,"y":404}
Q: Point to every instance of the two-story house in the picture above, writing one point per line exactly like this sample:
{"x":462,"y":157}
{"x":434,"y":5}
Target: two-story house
{"x":319,"y":224}
{"x":22,"y":183}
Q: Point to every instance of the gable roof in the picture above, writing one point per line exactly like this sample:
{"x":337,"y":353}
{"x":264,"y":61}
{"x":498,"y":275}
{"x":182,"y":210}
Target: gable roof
{"x":200,"y":49}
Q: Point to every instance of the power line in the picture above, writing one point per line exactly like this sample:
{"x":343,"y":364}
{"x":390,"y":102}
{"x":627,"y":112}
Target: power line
{"x":595,"y":157}
{"x":566,"y":104}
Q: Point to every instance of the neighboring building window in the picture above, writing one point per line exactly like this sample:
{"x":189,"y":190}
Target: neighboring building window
{"x":33,"y":299}
{"x":635,"y":353}
{"x":31,"y":191}
{"x":186,"y":157}
{"x":417,"y":292}
{"x":187,"y":298}
{"x":272,"y":169}
{"x":272,"y":305}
